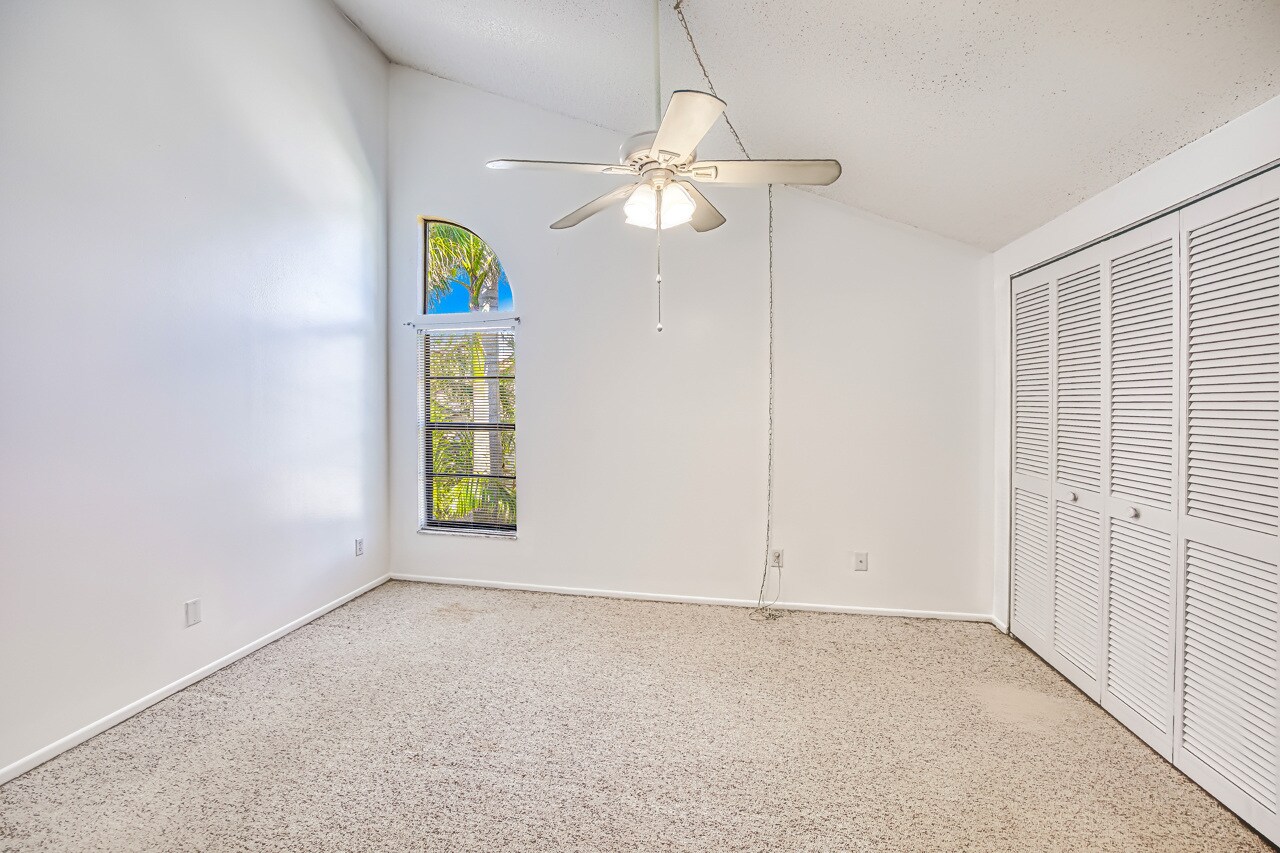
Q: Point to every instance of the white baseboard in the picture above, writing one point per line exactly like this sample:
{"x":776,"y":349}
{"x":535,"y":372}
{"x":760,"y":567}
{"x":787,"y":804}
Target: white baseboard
{"x":76,"y":738}
{"x":699,"y":599}
{"x":999,"y":623}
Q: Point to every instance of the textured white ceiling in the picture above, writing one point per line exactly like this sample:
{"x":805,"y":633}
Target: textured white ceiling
{"x":975,"y":119}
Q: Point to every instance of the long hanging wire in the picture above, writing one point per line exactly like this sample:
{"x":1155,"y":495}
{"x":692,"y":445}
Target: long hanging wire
{"x":762,"y":610}
{"x":657,"y":63}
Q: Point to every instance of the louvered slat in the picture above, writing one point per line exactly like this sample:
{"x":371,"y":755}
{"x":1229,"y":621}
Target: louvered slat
{"x":1078,"y":414}
{"x":1078,"y":543}
{"x":1233,"y":361}
{"x":1229,"y":695}
{"x":1142,"y":374}
{"x":1031,"y":382}
{"x":1031,"y":561}
{"x":1140,"y":622}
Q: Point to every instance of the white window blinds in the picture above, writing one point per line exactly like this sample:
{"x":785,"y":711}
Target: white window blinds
{"x":467,"y":419}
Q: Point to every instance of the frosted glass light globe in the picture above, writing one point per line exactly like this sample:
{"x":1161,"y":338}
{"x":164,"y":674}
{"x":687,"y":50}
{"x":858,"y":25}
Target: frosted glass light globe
{"x":642,"y":206}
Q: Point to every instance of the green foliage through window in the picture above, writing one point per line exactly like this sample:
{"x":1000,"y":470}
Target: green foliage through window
{"x":462,"y":273}
{"x":469,"y":440}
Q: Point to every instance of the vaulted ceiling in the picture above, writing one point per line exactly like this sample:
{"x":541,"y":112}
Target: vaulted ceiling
{"x":975,"y":119}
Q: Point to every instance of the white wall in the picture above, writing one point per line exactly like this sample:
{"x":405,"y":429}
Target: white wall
{"x":641,"y":456}
{"x":1237,"y":147}
{"x":192,"y":340}
{"x":878,"y":411}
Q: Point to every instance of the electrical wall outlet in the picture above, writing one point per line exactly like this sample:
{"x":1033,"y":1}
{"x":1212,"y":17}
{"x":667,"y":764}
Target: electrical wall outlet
{"x":192,"y":611}
{"x":359,"y":547}
{"x":775,"y":558}
{"x":860,"y":561}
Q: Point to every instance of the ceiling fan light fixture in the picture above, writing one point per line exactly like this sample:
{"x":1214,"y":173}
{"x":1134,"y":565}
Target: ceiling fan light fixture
{"x":642,"y":207}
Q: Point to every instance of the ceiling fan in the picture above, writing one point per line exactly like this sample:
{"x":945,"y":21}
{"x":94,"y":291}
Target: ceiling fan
{"x":666,"y":162}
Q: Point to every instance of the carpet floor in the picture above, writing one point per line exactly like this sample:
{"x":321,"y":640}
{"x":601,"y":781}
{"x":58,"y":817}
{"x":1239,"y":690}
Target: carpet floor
{"x":422,"y":717}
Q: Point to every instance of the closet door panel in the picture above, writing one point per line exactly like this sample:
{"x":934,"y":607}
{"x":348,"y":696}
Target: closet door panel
{"x":1138,"y":689}
{"x":1031,"y":594}
{"x":1228,"y":679}
{"x":1139,"y":619}
{"x":1078,"y":379}
{"x":1078,"y":469}
{"x":1031,"y":388}
{"x":1032,"y":584}
{"x":1142,"y":290}
{"x":1229,"y":618}
{"x":1077,"y":579}
{"x":1233,"y":396}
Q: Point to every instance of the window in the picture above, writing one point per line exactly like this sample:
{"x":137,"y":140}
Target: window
{"x":461,"y":274}
{"x":466,"y":369}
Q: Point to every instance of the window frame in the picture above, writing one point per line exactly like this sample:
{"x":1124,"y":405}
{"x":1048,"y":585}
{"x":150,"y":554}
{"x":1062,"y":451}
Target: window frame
{"x":425,"y":323}
{"x":424,"y":309}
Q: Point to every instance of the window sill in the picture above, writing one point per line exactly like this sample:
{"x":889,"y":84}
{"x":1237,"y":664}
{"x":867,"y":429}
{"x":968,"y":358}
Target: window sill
{"x":474,"y":534}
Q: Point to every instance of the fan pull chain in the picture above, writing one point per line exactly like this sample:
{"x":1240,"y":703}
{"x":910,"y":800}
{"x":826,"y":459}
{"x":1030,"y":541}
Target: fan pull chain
{"x":658,"y":215}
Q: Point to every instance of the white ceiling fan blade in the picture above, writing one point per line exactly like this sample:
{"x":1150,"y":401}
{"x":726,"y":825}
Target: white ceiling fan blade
{"x":812,"y":172}
{"x":705,"y":215}
{"x":591,"y":208}
{"x":558,"y":166}
{"x":688,"y":118}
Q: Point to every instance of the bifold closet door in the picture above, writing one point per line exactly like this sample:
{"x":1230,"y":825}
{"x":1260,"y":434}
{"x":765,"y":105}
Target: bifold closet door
{"x":1146,"y":484}
{"x":1229,"y":515}
{"x":1059,"y":465}
{"x":1141,"y":273}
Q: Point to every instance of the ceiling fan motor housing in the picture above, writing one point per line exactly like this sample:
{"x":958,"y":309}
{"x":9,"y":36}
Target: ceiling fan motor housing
{"x":638,"y":149}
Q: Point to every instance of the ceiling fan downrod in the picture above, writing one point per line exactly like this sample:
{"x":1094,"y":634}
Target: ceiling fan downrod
{"x":657,"y":122}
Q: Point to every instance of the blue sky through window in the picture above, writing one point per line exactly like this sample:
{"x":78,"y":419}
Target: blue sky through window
{"x":457,"y":300}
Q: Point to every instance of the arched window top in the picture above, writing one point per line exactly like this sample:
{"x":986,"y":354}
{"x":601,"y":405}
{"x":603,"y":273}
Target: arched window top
{"x":461,"y":274}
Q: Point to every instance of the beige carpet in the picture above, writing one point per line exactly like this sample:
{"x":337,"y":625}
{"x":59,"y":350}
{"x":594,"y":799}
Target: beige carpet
{"x":422,"y":717}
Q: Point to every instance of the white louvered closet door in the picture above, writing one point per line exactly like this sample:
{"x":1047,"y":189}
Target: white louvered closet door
{"x":1229,"y":514}
{"x":1141,"y":273}
{"x":1078,"y":468}
{"x":1031,"y":596}
{"x":1059,"y":465}
{"x":1146,"y":486}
